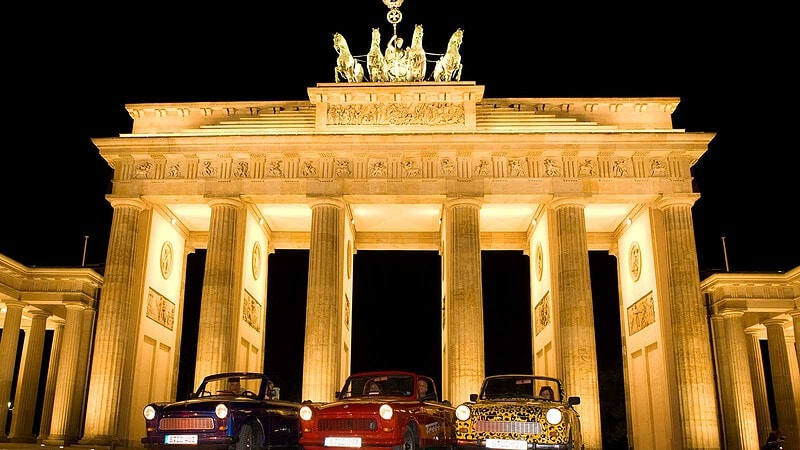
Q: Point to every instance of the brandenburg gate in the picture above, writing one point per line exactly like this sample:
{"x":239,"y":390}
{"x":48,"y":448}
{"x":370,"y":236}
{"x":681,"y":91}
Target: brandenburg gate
{"x":412,"y":165}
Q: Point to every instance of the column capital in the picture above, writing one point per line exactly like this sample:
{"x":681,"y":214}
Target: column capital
{"x":682,"y":200}
{"x":329,"y":201}
{"x":775,"y":321}
{"x":795,"y":314}
{"x":568,"y":201}
{"x":231,"y":201}
{"x":463,"y":201}
{"x":13,"y":303}
{"x":732,"y":312}
{"x":134,"y":202}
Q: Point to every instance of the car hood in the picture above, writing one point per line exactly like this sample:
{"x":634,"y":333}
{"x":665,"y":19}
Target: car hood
{"x":519,"y":406}
{"x":351,"y":406}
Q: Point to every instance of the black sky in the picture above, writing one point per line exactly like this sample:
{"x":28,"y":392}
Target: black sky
{"x":70,"y":70}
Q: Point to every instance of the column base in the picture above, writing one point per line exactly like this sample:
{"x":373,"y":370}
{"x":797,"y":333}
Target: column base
{"x":22,"y":439}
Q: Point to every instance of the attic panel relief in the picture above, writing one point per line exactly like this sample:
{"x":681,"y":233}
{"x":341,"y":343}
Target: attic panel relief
{"x":441,"y":113}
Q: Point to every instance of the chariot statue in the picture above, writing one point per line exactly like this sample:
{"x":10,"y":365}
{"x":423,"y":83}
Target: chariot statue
{"x":397,"y":63}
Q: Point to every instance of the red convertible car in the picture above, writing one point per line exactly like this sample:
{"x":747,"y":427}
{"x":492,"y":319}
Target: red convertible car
{"x":380,"y":410}
{"x":233,"y":410}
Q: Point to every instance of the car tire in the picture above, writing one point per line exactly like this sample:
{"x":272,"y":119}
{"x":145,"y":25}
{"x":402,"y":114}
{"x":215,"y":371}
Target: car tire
{"x":410,"y":441}
{"x":249,"y":438}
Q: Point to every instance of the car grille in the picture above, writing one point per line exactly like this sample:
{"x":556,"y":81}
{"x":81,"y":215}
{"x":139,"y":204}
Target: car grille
{"x":186,"y":423}
{"x":491,"y":426}
{"x":347,"y":424}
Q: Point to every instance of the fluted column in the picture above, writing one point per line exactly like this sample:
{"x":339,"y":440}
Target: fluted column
{"x":796,"y":323}
{"x":576,"y":315}
{"x":783,"y":393}
{"x":696,"y":391}
{"x":464,"y":297}
{"x":8,"y":354}
{"x":741,"y":431}
{"x":215,"y":345}
{"x":28,"y":383}
{"x":113,"y":323}
{"x":50,"y":386}
{"x":79,"y":389}
{"x":759,"y":384}
{"x":323,"y":298}
{"x":67,"y":373}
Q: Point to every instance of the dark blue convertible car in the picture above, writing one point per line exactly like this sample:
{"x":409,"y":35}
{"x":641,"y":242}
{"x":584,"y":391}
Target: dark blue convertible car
{"x":234,"y":410}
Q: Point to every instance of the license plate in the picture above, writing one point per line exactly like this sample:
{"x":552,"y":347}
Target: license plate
{"x":181,"y":439}
{"x":342,"y":442}
{"x":506,"y":444}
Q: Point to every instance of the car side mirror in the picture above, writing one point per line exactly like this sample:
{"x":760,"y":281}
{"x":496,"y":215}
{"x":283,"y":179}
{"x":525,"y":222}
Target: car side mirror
{"x":473,"y":397}
{"x":574,"y":400}
{"x":337,"y":394}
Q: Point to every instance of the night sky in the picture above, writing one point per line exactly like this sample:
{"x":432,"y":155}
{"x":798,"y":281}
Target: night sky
{"x":67,"y":81}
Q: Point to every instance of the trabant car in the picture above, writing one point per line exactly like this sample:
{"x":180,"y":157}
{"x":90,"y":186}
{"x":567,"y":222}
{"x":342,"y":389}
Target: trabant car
{"x":519,"y":412}
{"x":232,"y":410}
{"x":380,"y":410}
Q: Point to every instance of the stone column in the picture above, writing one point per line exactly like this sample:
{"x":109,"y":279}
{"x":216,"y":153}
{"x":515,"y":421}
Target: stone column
{"x":320,"y":358}
{"x":796,"y":323}
{"x":50,"y":386}
{"x":216,"y":348}
{"x":8,"y":354}
{"x":67,"y":373}
{"x":741,"y":431}
{"x":79,"y":389}
{"x":28,"y":383}
{"x":576,"y":316}
{"x":464,"y":298}
{"x":696,"y":390}
{"x":113,"y":323}
{"x":759,"y":384}
{"x":782,"y":391}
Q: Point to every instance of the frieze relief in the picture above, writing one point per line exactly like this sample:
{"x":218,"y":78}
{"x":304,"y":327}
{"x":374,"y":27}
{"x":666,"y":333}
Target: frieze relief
{"x":399,"y":166}
{"x":429,"y":114}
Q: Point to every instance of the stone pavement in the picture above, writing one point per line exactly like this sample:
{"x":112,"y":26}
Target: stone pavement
{"x":18,"y":446}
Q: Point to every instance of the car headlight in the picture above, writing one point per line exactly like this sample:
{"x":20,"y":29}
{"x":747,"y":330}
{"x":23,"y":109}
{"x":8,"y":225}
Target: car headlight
{"x":554,"y":416}
{"x":149,"y":412}
{"x":305,"y":413}
{"x":221,"y":411}
{"x":463,"y":412}
{"x":386,"y":412}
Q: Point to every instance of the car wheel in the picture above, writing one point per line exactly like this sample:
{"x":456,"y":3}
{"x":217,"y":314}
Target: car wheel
{"x":249,"y":438}
{"x":410,"y":439}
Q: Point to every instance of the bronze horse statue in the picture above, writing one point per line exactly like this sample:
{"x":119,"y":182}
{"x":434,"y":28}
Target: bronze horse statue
{"x":347,"y":68}
{"x":448,"y":67}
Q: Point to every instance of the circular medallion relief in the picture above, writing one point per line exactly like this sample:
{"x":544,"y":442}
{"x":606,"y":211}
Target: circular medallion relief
{"x":539,"y":261}
{"x":166,"y":259}
{"x":256,"y":260}
{"x":349,"y":259}
{"x":635,"y":261}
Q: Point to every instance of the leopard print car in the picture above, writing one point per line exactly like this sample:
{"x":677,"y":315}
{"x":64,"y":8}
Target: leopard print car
{"x":513,"y":412}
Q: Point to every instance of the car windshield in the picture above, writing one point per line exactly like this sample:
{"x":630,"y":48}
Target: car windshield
{"x":521,"y":387}
{"x":378,"y":385}
{"x":226,"y":385}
